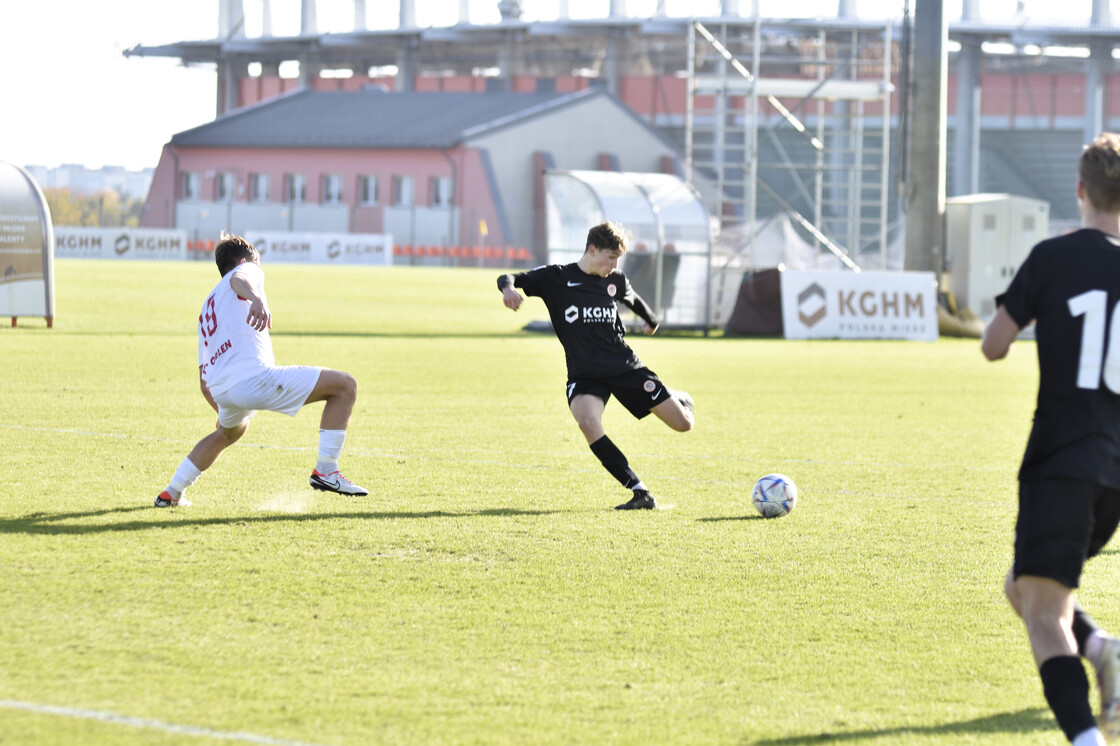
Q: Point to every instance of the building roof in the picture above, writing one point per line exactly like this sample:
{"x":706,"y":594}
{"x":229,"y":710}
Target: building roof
{"x":371,"y":118}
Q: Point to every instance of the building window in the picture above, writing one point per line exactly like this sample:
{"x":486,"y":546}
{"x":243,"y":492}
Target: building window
{"x":190,"y":186}
{"x":402,"y":191}
{"x":223,"y":187}
{"x":296,"y":189}
{"x":258,"y":187}
{"x":367,"y":188}
{"x":332,"y":189}
{"x":439,"y":188}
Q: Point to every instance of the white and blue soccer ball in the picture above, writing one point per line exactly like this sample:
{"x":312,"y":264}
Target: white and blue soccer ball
{"x":774,"y":495}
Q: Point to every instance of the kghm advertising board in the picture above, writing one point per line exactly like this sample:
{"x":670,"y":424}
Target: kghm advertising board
{"x":859,"y":305}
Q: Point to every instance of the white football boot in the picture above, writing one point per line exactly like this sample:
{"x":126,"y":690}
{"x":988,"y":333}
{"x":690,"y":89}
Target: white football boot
{"x":335,"y":482}
{"x":1108,"y":682}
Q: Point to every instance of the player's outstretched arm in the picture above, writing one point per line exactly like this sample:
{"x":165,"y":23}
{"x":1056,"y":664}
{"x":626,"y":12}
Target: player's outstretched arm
{"x":260,"y":318}
{"x":638,"y":305}
{"x":998,"y":335}
{"x":510,"y":297}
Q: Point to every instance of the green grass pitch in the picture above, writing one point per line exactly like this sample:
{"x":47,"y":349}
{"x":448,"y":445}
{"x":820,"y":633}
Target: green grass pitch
{"x":485,"y":592}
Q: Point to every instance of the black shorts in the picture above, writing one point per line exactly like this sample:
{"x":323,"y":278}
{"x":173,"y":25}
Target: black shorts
{"x":1061,"y":524}
{"x":638,"y":390}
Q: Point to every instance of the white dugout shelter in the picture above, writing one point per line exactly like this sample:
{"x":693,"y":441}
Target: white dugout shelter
{"x":669,"y":259}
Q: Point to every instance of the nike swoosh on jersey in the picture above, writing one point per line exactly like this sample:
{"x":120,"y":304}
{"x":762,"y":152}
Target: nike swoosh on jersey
{"x":655,"y":393}
{"x":573,"y":284}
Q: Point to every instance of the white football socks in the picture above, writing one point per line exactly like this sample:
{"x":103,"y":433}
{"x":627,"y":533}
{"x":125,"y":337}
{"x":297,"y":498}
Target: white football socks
{"x":330,"y":448}
{"x":1090,"y":737}
{"x":186,"y":475}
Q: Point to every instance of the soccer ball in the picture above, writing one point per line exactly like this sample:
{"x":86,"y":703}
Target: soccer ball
{"x":774,"y":495}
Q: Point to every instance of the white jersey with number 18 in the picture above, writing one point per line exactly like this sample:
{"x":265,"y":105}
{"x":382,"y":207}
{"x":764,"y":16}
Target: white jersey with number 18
{"x":228,"y":348}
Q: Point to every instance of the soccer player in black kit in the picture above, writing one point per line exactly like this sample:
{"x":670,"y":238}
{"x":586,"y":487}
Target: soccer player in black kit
{"x":1069,"y":481}
{"x":581,"y":299}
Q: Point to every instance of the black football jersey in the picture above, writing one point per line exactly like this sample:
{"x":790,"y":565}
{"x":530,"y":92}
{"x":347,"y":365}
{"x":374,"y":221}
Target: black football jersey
{"x":585,"y":316}
{"x":1070,"y":286}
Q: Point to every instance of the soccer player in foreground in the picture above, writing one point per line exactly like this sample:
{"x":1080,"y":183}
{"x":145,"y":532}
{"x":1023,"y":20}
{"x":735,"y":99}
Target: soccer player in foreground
{"x":1069,"y":482}
{"x":238,"y":376}
{"x":581,"y":300}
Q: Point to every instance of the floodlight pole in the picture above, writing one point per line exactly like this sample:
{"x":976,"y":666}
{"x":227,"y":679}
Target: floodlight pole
{"x":925,"y":227}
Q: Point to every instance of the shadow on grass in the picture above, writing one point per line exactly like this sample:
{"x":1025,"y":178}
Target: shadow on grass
{"x":1031,"y":720}
{"x":52,"y":523}
{"x":717,"y":519}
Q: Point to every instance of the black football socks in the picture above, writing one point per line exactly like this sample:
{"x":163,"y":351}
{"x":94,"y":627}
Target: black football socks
{"x":1067,"y":692}
{"x":615,"y":462}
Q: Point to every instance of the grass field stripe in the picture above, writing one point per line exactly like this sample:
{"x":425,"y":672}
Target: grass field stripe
{"x":455,"y":455}
{"x":185,"y":730}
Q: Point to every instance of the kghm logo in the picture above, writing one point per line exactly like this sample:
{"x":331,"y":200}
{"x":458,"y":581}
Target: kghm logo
{"x":811,"y":306}
{"x":122,"y":244}
{"x":334,"y":249}
{"x":589,"y":314}
{"x":599,"y":313}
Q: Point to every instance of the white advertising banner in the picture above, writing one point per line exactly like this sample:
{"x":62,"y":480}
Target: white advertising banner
{"x":74,"y":242}
{"x":323,"y":248}
{"x":859,"y":305}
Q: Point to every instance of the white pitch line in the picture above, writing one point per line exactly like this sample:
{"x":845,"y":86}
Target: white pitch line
{"x":185,"y":730}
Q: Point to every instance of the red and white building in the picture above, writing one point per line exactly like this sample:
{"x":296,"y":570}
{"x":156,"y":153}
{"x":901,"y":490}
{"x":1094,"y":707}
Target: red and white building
{"x":442,"y":169}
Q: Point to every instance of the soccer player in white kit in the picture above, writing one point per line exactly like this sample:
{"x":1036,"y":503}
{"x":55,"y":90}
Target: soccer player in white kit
{"x":238,"y":375}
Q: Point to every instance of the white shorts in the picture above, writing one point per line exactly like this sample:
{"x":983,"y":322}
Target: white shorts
{"x":282,"y":389}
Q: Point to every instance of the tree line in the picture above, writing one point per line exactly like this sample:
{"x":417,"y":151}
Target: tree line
{"x":101,"y":208}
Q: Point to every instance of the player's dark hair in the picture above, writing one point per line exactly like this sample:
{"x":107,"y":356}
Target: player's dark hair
{"x":606,"y":235}
{"x":1099,"y":171}
{"x":231,"y":250}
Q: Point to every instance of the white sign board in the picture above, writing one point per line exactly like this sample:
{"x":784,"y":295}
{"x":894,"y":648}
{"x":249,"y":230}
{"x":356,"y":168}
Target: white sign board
{"x":76,"y":242}
{"x":323,"y":248}
{"x":26,"y":264}
{"x":859,"y":305}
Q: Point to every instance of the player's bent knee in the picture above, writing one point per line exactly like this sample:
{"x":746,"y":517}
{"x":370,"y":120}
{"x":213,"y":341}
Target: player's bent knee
{"x":334,"y":384}
{"x":588,"y":426}
{"x":345,"y":384}
{"x":233,"y":434}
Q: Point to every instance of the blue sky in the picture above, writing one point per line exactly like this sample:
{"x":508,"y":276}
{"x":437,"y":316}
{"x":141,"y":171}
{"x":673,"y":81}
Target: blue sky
{"x":71,"y":97}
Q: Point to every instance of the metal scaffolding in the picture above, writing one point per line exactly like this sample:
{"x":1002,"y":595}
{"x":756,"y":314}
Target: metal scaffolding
{"x":795,"y":125}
